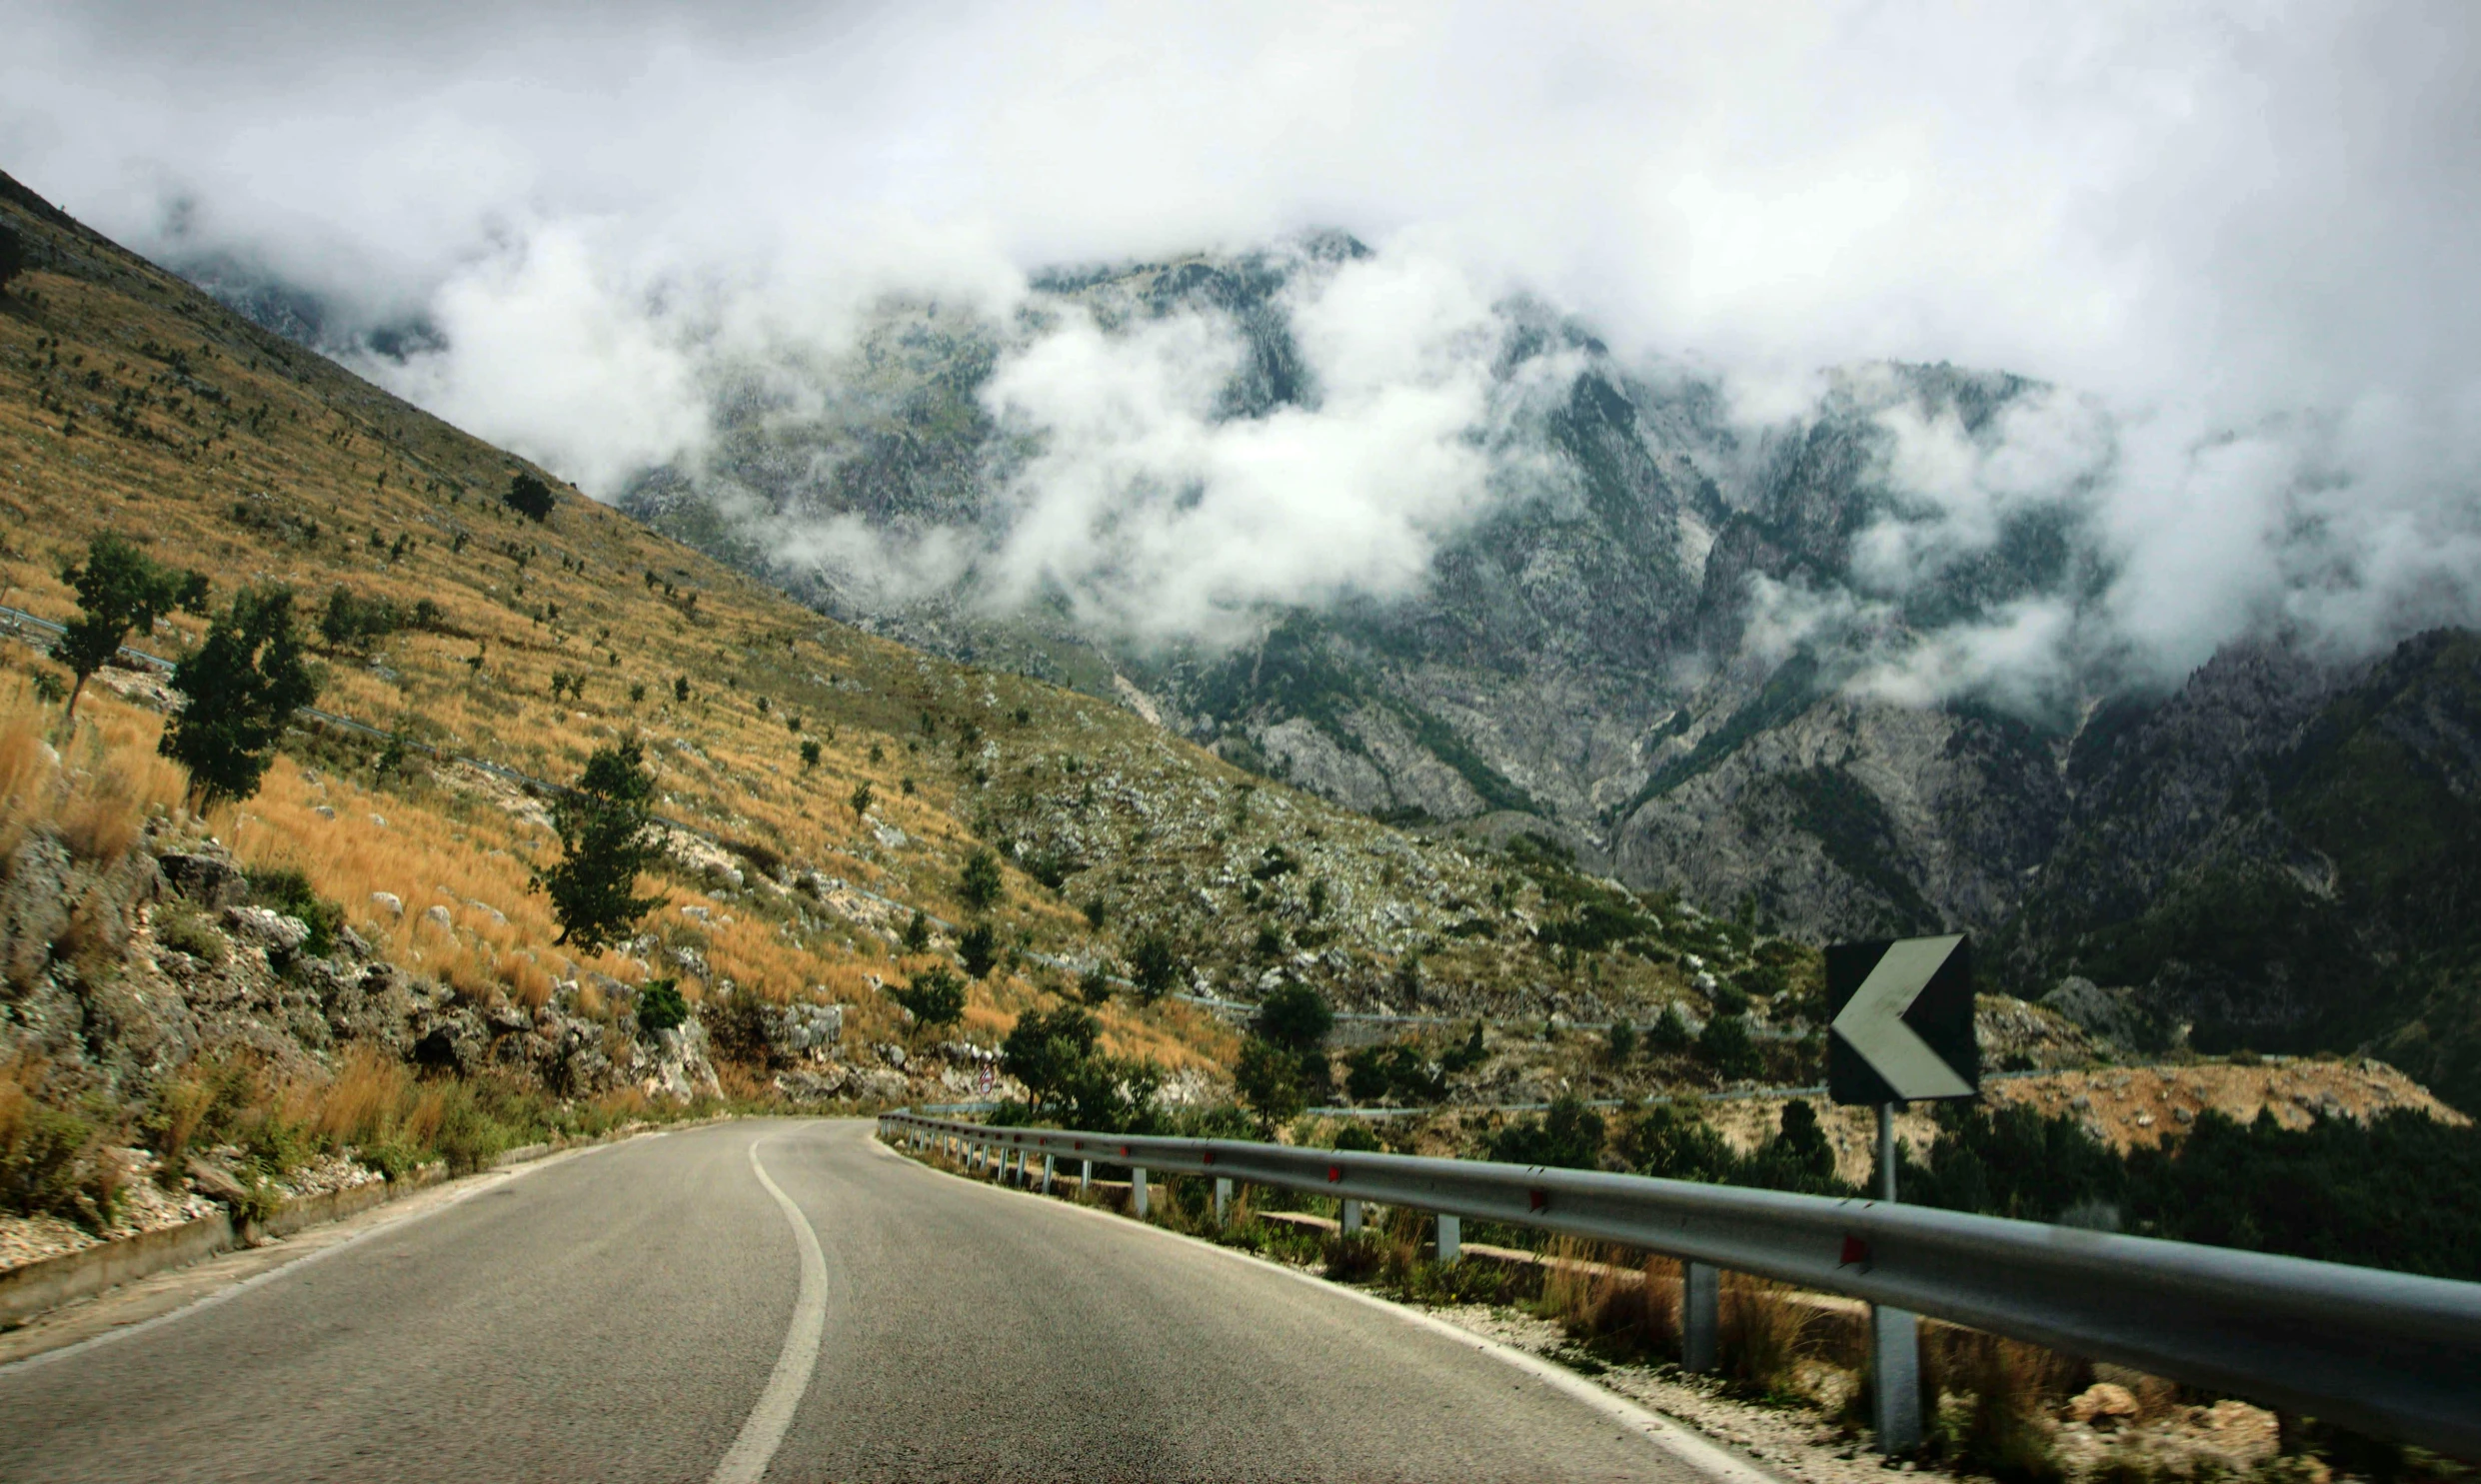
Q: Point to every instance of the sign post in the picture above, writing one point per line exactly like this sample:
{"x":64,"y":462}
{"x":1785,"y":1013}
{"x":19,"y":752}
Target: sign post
{"x":1900,"y":1030}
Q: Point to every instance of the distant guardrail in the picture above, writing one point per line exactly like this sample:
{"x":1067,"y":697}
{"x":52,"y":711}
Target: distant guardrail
{"x":2387,"y":1353}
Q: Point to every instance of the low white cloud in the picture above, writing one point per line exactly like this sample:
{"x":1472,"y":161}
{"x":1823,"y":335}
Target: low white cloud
{"x":2238,"y":241}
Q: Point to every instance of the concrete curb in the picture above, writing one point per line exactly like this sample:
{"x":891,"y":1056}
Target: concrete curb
{"x":40,"y":1286}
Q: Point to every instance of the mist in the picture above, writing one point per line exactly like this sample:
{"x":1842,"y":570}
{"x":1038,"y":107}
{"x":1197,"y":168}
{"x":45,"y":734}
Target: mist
{"x":2232,"y":242}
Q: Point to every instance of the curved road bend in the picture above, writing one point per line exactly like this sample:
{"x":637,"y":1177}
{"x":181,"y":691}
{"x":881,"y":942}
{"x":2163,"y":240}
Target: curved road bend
{"x":623,"y":1315}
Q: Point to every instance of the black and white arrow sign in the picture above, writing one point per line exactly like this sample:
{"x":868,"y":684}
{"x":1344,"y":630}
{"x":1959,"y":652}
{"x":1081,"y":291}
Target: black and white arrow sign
{"x":1902,"y":1028}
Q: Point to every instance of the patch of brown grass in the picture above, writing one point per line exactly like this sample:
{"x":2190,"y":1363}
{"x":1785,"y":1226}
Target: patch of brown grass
{"x":1763,"y":1332}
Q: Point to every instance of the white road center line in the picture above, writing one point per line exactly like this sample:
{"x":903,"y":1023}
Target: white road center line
{"x":764,"y":1432}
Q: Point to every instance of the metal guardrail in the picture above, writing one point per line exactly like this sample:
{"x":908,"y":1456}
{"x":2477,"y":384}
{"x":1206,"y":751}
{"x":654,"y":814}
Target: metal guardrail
{"x":2387,"y":1353}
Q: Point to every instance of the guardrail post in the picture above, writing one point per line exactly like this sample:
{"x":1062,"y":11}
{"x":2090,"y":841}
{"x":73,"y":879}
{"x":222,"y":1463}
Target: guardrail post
{"x":1137,"y":1190}
{"x":1896,"y":1379}
{"x":1894,"y":1335}
{"x":1450,"y":1238}
{"x":1700,"y":1315}
{"x":1223,"y":1198}
{"x":1047,"y":1174}
{"x":1085,"y":1175}
{"x":1351,"y":1217}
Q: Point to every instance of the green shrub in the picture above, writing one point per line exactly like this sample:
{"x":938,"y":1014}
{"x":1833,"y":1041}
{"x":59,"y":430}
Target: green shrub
{"x":1569,"y":1136}
{"x":935,"y":997}
{"x":977,"y":949}
{"x":289,"y":892}
{"x":661,"y":1008}
{"x":49,"y":1164}
{"x":180,"y":924}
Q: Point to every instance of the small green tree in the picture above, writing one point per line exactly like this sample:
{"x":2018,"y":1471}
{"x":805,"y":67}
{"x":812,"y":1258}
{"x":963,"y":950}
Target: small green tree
{"x":980,"y":886}
{"x":661,"y":1008}
{"x":1046,"y":1048}
{"x":934,"y":997}
{"x":679,"y":688}
{"x":1295,"y":1017}
{"x":119,"y":588}
{"x":808,"y":754}
{"x":1268,"y":1079}
{"x":918,"y":934}
{"x":1095,"y":986}
{"x":1724,"y":1045}
{"x":1155,"y":968}
{"x":608,"y":837}
{"x":530,"y":497}
{"x":1669,"y":1035}
{"x":862,"y":798}
{"x":979,"y":949}
{"x":242,"y":685}
{"x":1621,"y":1043}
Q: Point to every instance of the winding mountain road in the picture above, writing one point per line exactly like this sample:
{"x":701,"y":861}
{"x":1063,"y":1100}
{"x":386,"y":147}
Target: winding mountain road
{"x":787,"y":1300}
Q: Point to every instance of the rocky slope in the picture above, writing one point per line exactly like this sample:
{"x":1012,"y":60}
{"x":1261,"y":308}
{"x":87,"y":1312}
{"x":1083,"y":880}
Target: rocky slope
{"x":1661,"y":642}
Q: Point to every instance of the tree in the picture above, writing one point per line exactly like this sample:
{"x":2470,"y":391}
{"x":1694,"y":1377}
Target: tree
{"x":530,"y":497}
{"x":1095,"y":986}
{"x":978,"y":948}
{"x":13,"y":256}
{"x":242,"y":685}
{"x":661,"y":1008}
{"x":934,"y":996}
{"x":1724,"y":1045}
{"x":1295,"y":1017}
{"x":1043,"y":1049}
{"x":808,"y":754}
{"x":1155,"y":966}
{"x":918,"y":934}
{"x":860,"y":798}
{"x":1568,"y":1137}
{"x":1669,"y":1035}
{"x":607,"y":836}
{"x":1268,"y":1079}
{"x":119,"y":588}
{"x":982,"y":886}
{"x":1622,"y":1042}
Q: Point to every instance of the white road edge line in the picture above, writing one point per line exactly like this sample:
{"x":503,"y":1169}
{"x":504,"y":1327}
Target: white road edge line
{"x":1668,"y":1434}
{"x":764,"y":1432}
{"x":491,"y":1181}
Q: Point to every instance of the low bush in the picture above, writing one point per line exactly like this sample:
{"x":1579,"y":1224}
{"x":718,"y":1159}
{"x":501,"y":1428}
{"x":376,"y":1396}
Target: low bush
{"x":286,"y":891}
{"x":52,"y":1162}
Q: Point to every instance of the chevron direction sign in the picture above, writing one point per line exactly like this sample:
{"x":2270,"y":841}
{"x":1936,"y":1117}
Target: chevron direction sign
{"x":1902,"y":1021}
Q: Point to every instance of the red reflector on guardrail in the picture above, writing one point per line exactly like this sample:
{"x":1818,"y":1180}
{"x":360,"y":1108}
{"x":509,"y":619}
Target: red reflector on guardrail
{"x":1334,"y":1172}
{"x":1537,"y":1200}
{"x":1855,"y":1251}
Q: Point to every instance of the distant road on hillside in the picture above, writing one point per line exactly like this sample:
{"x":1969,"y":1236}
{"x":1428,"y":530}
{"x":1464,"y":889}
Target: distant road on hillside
{"x":649,"y":1310}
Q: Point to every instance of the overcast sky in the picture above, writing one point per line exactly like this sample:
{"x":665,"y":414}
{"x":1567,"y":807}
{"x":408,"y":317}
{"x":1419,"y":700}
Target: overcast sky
{"x":2250,"y":226}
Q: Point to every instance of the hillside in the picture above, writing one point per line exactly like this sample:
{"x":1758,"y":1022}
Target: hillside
{"x":131,"y":402}
{"x":1667,"y":645}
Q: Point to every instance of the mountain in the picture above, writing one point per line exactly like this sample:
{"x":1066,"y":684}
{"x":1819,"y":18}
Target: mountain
{"x":1664,"y":640}
{"x":828,"y":782}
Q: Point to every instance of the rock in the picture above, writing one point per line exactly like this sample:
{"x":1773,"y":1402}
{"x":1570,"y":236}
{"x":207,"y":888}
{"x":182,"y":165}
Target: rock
{"x":323,"y":811}
{"x":34,"y":906}
{"x":216,"y":1182}
{"x":891,"y":1053}
{"x":438,"y":918}
{"x":389,"y":903}
{"x":2103,"y":1399}
{"x":272,"y":931}
{"x":211,"y":882}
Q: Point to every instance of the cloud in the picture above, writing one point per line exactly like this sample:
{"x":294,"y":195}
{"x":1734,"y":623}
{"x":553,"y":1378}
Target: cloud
{"x":2237,"y":237}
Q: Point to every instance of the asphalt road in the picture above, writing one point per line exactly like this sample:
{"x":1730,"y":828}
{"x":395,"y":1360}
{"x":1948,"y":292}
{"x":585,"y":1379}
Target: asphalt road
{"x":653,"y":1310}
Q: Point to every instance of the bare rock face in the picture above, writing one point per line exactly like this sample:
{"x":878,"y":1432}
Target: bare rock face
{"x":210,"y":881}
{"x":271,"y":931}
{"x":34,"y":906}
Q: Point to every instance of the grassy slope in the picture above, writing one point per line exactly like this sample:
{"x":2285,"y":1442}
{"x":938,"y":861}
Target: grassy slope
{"x":130,"y":401}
